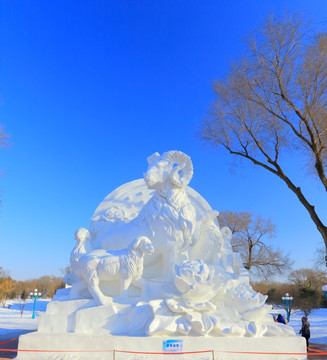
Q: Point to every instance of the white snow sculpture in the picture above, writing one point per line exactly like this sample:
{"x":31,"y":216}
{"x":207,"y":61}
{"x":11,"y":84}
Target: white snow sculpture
{"x":168,"y":218}
{"x":192,"y":284}
{"x":124,"y":265}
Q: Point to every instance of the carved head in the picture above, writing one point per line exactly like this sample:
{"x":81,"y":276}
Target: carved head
{"x":143,"y":244}
{"x":82,"y":235}
{"x":173,"y":166}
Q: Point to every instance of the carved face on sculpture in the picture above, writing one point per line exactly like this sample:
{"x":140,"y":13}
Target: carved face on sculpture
{"x":157,"y":174}
{"x":145,"y":245}
{"x":174,"y":167}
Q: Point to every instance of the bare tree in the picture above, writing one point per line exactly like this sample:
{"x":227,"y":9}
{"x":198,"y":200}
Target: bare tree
{"x":273,"y":103}
{"x":320,"y":258}
{"x":48,"y":285}
{"x":308,"y":283}
{"x":250,"y":236}
{"x":275,"y":290}
{"x":22,"y":302}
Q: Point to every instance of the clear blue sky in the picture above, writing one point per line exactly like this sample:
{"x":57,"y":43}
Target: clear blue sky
{"x":90,"y":89}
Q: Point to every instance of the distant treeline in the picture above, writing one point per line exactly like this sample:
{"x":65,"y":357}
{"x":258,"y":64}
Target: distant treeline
{"x":12,"y":289}
{"x":46,"y":285}
{"x":307,"y":295}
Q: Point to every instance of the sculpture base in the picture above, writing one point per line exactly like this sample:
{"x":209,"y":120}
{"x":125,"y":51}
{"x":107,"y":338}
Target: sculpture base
{"x":71,"y":346}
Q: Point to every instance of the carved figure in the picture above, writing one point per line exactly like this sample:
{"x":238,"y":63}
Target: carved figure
{"x":213,"y":245}
{"x":193,"y":284}
{"x":82,"y":237}
{"x":168,"y":218}
{"x":124,"y":265}
{"x":211,"y":241}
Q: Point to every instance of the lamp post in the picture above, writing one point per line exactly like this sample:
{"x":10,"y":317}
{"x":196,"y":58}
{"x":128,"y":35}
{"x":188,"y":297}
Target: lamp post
{"x":324,"y":289}
{"x":34,"y":296}
{"x":288,"y":301}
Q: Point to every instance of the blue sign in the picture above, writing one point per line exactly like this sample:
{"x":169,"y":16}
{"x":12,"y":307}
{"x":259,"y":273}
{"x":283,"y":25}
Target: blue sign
{"x":171,"y":346}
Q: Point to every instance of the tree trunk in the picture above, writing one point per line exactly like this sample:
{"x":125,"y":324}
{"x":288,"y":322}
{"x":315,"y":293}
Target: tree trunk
{"x":310,"y":208}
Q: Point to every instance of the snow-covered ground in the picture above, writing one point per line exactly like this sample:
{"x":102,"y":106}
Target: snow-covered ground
{"x":317,"y":320}
{"x":10,"y":319}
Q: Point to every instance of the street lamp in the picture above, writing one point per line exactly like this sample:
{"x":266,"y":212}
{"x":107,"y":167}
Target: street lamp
{"x":288,"y":301}
{"x":324,"y":289}
{"x":34,"y":296}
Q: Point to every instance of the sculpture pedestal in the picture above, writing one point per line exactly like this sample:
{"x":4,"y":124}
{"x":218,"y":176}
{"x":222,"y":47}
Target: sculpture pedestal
{"x":100,"y":347}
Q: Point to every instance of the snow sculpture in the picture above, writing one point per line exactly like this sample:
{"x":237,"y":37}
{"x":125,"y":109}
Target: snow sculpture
{"x":168,"y":218}
{"x":155,"y":265}
{"x":126,"y":265}
{"x":179,"y":276}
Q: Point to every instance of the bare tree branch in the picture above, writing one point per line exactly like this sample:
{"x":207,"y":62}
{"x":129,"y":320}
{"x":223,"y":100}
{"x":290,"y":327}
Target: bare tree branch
{"x":274,"y":102}
{"x":250,"y":236}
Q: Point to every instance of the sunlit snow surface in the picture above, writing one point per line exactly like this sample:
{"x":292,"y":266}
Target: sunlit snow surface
{"x":317,"y":320}
{"x":10,"y":319}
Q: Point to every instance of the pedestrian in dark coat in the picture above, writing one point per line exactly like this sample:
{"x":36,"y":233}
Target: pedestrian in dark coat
{"x":305,"y":329}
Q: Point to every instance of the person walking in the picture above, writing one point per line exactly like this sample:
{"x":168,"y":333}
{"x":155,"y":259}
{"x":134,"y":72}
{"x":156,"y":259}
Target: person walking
{"x":305,"y":329}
